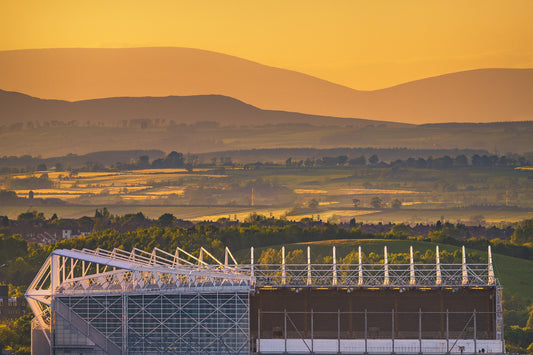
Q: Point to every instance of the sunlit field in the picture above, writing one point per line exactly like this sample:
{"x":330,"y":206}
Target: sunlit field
{"x":333,"y":216}
{"x":328,"y":194}
{"x":310,"y":191}
{"x":136,"y":185}
{"x":242,"y":214}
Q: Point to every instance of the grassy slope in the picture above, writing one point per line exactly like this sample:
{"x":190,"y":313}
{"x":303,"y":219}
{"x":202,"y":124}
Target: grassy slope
{"x":514,"y":273}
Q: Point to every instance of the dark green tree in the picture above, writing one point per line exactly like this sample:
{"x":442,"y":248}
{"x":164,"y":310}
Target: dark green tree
{"x":376,"y":202}
{"x":41,"y":167}
{"x":167,"y":220}
{"x":373,"y":159}
{"x":143,"y":162}
{"x":31,"y":216}
{"x":396,"y":203}
{"x":313,"y":204}
{"x":358,"y":161}
{"x":523,"y":233}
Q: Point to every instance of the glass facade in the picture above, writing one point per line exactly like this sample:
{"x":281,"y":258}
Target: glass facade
{"x":178,"y":323}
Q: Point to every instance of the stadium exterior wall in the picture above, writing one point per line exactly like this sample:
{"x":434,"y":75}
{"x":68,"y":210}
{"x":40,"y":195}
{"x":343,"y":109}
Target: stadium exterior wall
{"x":118,"y":302}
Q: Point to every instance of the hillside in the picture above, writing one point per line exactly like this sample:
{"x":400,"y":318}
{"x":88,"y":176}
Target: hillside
{"x":484,"y":95}
{"x":17,"y":107}
{"x":52,"y":137}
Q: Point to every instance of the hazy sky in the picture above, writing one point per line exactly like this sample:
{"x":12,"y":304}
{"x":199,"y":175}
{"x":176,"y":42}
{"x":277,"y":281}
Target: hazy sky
{"x":361,"y":44}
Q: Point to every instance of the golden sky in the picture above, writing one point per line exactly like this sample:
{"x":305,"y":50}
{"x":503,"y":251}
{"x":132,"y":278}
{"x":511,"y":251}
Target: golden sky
{"x":361,"y":44}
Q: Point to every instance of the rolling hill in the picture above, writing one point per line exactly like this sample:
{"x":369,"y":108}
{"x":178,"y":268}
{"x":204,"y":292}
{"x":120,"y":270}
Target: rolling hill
{"x":484,"y":95}
{"x":17,"y":107}
{"x":214,"y":123}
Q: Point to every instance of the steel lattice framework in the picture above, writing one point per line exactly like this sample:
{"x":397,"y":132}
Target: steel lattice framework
{"x":141,"y":303}
{"x":138,"y":302}
{"x":373,"y":275}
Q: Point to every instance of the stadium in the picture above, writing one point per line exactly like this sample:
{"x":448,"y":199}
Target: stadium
{"x":138,"y":302}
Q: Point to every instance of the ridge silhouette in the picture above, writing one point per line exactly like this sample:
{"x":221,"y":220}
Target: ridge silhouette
{"x":484,"y":95}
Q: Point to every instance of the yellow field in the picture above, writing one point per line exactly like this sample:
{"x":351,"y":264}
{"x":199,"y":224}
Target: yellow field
{"x":373,"y":191}
{"x":200,"y":195}
{"x":70,"y":193}
{"x":328,"y":203}
{"x":139,"y":186}
{"x":340,"y":215}
{"x":356,"y":191}
{"x":56,"y":174}
{"x":129,"y":185}
{"x":309,"y":191}
{"x":64,"y":196}
{"x":94,"y":174}
{"x":135,"y":197}
{"x":243,"y":214}
{"x":163,"y":171}
{"x":411,"y":203}
{"x":166,"y":192}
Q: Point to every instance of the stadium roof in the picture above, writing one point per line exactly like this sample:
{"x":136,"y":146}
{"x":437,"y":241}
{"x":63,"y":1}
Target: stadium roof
{"x":100,"y":271}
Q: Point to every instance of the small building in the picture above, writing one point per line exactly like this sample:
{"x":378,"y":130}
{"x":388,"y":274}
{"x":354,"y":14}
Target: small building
{"x":66,"y":233}
{"x":10,"y":308}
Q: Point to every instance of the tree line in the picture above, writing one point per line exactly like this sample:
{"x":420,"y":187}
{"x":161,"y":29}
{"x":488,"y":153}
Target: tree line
{"x":444,"y":162}
{"x":177,"y":160}
{"x":23,"y":259}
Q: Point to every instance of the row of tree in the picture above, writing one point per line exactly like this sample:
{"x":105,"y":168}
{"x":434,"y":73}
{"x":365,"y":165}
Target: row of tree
{"x":42,"y":181}
{"x":445,"y":162}
{"x":176,"y":160}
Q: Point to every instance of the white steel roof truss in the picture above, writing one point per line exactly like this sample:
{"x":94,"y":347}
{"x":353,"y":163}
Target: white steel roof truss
{"x":42,"y":276}
{"x":157,"y":279}
{"x":174,"y":259}
{"x":227,"y":253}
{"x":138,"y":279}
{"x":39,"y":312}
{"x":475,"y":277}
{"x":191,"y":256}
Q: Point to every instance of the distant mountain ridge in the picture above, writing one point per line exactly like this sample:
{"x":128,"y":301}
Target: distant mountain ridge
{"x":484,"y":95}
{"x":17,"y":107}
{"x":34,"y":126}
